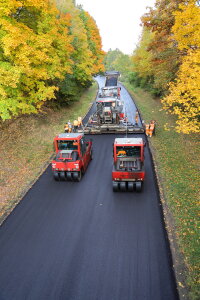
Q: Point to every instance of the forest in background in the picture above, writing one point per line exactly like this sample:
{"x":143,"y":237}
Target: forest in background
{"x":166,"y":61}
{"x":48,"y":50}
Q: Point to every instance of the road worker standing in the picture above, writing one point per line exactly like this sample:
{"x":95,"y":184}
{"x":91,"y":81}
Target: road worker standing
{"x":136,"y":117}
{"x":151,"y":127}
{"x":66,"y":128}
{"x":69,"y":126}
{"x":80,"y":123}
{"x":75,"y":125}
{"x":147,"y":129}
{"x":118,"y":92}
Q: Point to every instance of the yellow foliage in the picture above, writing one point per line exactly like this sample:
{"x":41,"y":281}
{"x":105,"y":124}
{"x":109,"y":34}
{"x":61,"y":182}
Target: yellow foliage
{"x":141,"y":57}
{"x":187,"y":26}
{"x":41,"y":47}
{"x":184,"y":97}
{"x":32,"y":54}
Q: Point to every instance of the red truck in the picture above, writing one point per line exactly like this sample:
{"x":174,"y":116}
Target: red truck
{"x":128,"y":167}
{"x":73,"y":154}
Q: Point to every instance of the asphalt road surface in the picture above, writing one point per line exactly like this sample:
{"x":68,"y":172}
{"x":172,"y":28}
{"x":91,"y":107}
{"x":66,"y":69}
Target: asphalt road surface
{"x":81,"y":241}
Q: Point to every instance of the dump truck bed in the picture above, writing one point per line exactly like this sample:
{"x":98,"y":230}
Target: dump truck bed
{"x":111,"y":78}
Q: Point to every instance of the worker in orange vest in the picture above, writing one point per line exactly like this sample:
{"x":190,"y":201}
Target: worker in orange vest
{"x":66,"y":128}
{"x":121,"y":153}
{"x":136,"y":117}
{"x":151,"y":128}
{"x":147,"y":129}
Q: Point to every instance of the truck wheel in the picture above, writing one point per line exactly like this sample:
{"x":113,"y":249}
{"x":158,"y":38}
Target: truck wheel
{"x":115,"y":186}
{"x":77,"y":176}
{"x":62,"y":176}
{"x":122,"y":186}
{"x":91,"y":155}
{"x":138,"y":186}
{"x":56,"y":176}
{"x":130,"y":186}
{"x":69,"y":176}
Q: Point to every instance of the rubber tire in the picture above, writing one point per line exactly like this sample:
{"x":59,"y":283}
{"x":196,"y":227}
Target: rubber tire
{"x":62,"y":176}
{"x":130,"y":186}
{"x":91,"y":155}
{"x":77,"y":176}
{"x":138,"y":186}
{"x":80,"y":176}
{"x":69,"y":176}
{"x":56,"y":176}
{"x":115,"y":186}
{"x":122,"y":186}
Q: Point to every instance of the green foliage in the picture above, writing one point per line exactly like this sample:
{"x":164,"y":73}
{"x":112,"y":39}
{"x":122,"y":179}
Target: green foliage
{"x":146,"y":83}
{"x":94,"y":42}
{"x":71,"y":89}
{"x":117,"y":60}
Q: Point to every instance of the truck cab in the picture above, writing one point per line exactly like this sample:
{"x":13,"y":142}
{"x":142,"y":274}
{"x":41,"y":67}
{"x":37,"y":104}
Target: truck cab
{"x":73,"y":154}
{"x":128,"y":164}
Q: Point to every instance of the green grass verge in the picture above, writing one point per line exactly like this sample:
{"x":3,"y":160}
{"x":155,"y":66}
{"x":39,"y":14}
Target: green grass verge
{"x":26,"y":145}
{"x":177,"y":159}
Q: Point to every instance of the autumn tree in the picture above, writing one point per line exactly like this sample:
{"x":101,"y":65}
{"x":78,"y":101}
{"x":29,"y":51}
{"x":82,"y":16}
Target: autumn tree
{"x":165,"y":55}
{"x":117,"y":60}
{"x":94,"y":41}
{"x":35,"y":50}
{"x":110,"y":59}
{"x":142,"y":74}
{"x":44,"y":54}
{"x":85,"y":63}
{"x":184,"y":97}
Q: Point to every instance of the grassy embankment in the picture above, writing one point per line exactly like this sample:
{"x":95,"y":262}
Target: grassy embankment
{"x":177,"y":159}
{"x":26,"y":146}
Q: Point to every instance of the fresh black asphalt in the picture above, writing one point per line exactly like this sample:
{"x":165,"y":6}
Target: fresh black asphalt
{"x":81,"y":241}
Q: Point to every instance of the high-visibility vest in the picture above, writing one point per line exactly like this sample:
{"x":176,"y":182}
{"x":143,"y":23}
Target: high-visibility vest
{"x":136,"y":117}
{"x":122,"y":152}
{"x":79,"y":121}
{"x":147,"y":129}
{"x":151,"y":129}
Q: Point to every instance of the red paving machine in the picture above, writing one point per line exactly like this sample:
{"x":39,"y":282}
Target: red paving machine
{"x":128,"y":168}
{"x":73,"y":154}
